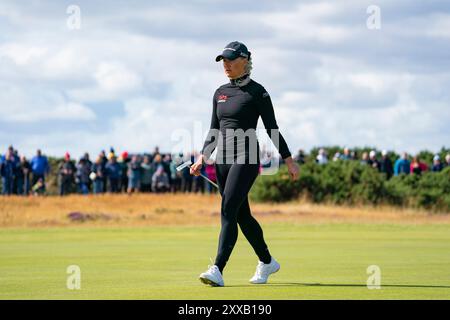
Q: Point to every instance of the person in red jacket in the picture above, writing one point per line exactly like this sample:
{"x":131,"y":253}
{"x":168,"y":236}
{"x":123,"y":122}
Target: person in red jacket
{"x":417,"y":167}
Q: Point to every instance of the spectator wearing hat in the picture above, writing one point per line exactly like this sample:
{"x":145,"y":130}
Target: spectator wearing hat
{"x":402,"y":165}
{"x":385,"y":165}
{"x":66,"y":175}
{"x":373,"y":161}
{"x":111,"y":154}
{"x":123,"y":163}
{"x":322,"y":157}
{"x":39,"y":167}
{"x":417,"y":167}
{"x":437,"y":165}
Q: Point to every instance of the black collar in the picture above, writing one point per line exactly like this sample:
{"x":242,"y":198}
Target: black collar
{"x":241,"y":81}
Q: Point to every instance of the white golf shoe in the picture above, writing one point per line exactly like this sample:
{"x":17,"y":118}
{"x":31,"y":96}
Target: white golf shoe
{"x":212,"y":276}
{"x":263,"y":271}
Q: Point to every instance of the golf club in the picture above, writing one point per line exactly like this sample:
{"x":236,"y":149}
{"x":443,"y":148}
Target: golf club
{"x":188,"y":164}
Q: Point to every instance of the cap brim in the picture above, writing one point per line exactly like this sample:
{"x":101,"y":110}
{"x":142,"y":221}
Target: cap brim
{"x":228,"y":55}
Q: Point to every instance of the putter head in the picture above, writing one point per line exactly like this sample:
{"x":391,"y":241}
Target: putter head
{"x":184,"y":165}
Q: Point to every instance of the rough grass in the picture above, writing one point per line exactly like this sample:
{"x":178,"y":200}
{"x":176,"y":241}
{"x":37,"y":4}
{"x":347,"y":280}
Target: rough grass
{"x":185,"y":209}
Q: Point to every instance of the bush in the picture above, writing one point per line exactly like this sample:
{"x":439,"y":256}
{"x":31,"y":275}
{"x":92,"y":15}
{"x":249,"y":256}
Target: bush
{"x":433,"y":189}
{"x":371,"y":187}
{"x":395,"y":192}
{"x":349,"y":182}
{"x":275,"y":188}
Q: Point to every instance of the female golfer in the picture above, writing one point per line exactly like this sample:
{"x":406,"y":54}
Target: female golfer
{"x":237,"y":106}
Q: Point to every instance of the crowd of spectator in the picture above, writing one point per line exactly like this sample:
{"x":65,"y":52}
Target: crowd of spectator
{"x":383,"y":163}
{"x":112,"y":173}
{"x":156,"y":172}
{"x":20,"y":176}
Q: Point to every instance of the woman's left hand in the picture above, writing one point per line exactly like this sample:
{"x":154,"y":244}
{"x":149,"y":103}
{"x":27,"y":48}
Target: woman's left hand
{"x":293,"y":168}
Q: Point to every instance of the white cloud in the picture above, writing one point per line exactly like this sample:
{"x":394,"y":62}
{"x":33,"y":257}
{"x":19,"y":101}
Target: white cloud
{"x":38,"y":104}
{"x":307,"y":22}
{"x":22,"y":54}
{"x":331,"y":81}
{"x":433,"y":24}
{"x":440,"y":26}
{"x":65,"y":62}
{"x":115,"y":77}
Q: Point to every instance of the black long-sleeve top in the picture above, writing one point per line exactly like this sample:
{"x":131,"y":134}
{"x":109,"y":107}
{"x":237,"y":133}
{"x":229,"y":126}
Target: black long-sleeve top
{"x":239,"y":107}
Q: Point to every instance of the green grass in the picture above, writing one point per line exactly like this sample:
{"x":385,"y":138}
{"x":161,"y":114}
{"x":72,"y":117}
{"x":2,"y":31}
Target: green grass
{"x":318,"y":261}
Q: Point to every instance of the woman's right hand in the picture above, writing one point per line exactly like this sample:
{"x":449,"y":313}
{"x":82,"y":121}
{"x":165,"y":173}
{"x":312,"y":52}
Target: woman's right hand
{"x":197,"y":166}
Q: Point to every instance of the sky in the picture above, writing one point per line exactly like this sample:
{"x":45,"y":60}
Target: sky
{"x":81,"y":76}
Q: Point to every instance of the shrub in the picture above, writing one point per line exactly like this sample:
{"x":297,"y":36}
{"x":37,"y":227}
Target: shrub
{"x":349,"y":182}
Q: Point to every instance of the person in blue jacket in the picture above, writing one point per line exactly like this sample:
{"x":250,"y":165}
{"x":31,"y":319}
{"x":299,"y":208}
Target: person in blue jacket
{"x":39,"y":167}
{"x":402,"y":165}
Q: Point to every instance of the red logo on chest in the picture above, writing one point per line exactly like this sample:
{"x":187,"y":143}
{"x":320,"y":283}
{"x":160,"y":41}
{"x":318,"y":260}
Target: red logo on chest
{"x":222,"y":98}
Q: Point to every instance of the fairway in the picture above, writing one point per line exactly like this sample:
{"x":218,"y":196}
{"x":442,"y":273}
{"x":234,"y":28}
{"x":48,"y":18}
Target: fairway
{"x":318,"y":261}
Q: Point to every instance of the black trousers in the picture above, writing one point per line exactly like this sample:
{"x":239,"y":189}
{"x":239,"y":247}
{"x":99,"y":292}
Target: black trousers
{"x":235,"y":181}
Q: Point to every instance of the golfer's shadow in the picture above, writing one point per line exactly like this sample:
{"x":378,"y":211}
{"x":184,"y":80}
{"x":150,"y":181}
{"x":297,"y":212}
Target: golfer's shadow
{"x":300,"y":284}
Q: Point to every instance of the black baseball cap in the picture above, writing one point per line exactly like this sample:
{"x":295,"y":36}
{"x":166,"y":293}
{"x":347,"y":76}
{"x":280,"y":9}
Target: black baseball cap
{"x":234,"y":50}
